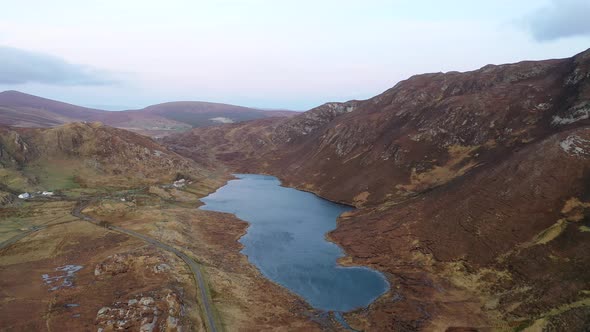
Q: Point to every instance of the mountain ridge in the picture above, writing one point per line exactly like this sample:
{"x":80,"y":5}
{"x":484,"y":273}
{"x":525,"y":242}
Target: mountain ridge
{"x":26,"y":110}
{"x":471,"y":190}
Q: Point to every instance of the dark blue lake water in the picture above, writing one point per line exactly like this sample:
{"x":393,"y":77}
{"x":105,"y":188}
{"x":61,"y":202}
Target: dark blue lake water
{"x":286,"y":241}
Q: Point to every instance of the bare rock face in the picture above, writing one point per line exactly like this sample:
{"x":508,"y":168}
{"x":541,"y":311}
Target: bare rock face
{"x":113,"y":265}
{"x":472,"y":187}
{"x":156,"y":309}
{"x":310,"y":121}
{"x":576,"y":146}
{"x":157,"y":312}
{"x":14,"y":151}
{"x":122,"y":263}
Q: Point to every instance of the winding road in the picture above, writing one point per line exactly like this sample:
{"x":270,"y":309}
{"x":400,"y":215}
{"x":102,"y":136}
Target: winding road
{"x":195,"y":267}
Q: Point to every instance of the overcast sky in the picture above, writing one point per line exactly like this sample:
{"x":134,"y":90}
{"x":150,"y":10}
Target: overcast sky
{"x":293,"y":54}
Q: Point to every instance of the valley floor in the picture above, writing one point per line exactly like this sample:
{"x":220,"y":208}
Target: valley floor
{"x":115,"y":271}
{"x":122,"y":270}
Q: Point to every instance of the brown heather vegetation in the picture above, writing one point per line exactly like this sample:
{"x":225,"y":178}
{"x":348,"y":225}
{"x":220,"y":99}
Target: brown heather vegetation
{"x":472,"y":195}
{"x":472,"y":188}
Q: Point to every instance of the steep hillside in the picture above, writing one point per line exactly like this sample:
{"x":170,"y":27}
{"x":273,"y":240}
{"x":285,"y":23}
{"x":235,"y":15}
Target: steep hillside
{"x":23,"y":110}
{"x":472,"y":187}
{"x":422,"y":133}
{"x":249,"y":141}
{"x":508,"y":240}
{"x":86,"y":155}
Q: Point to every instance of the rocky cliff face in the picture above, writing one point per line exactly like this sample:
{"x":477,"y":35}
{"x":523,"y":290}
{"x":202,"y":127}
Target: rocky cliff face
{"x":472,"y":187}
{"x":310,"y":121}
{"x":432,"y":128}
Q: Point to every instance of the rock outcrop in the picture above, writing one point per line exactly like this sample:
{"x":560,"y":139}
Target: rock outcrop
{"x":91,"y":153}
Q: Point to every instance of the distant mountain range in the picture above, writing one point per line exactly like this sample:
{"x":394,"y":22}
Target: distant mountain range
{"x":25,"y":110}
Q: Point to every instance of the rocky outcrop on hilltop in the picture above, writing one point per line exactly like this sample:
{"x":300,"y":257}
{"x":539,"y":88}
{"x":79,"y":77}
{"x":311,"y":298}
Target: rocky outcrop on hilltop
{"x":472,"y":190}
{"x":310,"y":121}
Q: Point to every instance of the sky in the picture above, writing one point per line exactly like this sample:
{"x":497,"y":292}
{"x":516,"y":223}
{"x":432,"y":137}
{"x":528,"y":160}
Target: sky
{"x":286,"y":54}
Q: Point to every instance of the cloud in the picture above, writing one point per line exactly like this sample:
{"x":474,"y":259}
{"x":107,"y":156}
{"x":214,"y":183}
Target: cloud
{"x":561,"y":19}
{"x":19,"y":66}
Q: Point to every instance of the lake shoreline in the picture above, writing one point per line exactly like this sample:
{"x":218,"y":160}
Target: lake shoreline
{"x":334,"y":250}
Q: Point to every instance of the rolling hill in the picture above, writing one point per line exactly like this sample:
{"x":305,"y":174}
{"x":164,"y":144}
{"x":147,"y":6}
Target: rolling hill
{"x":23,"y":110}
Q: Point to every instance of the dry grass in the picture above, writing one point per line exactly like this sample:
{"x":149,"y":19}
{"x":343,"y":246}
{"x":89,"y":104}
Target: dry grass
{"x":55,"y":174}
{"x":15,"y":180}
{"x":572,"y":211}
{"x":548,"y":234}
{"x":458,"y":164}
{"x":361,"y":198}
{"x":21,"y":217}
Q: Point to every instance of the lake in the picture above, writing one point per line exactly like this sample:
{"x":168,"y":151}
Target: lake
{"x":286,"y":241}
